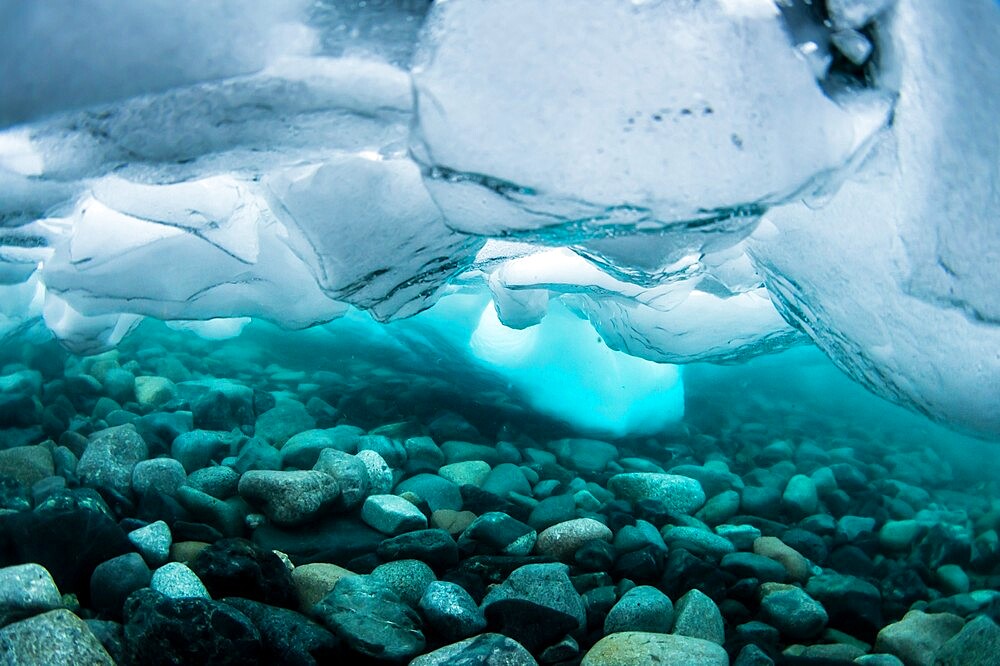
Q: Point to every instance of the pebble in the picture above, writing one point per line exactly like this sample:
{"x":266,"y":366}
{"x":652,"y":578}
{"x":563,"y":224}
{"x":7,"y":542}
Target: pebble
{"x":680,"y":494}
{"x":900,"y":535}
{"x":289,"y":417}
{"x":176,"y":581}
{"x":495,"y":532}
{"x":795,"y":614}
{"x":587,"y":456}
{"x":918,"y":636}
{"x":199,"y":448}
{"x":27,"y":464}
{"x":469,"y":472}
{"x":450,"y":611}
{"x":562,"y":540}
{"x":697,"y":616}
{"x":796,"y":566}
{"x":751,"y":565}
{"x":643,"y":608}
{"x":288,"y":637}
{"x":289,"y":498}
{"x":152,"y":392}
{"x":506,"y":478}
{"x":392,"y":515}
{"x":153,"y":542}
{"x":219,"y":481}
{"x":379,"y":473}
{"x":482,"y":649}
{"x":409,"y":579}
{"x":114,"y":580}
{"x":26,"y":590}
{"x":303,"y":449}
{"x":351,"y":475}
{"x":55,"y":638}
{"x":638,"y":648}
{"x":438,"y":492}
{"x":372,"y":619}
{"x":976,"y":644}
{"x":110,"y":457}
{"x":801,"y":497}
{"x":697,"y":541}
{"x":162,"y":475}
{"x":536,"y":605}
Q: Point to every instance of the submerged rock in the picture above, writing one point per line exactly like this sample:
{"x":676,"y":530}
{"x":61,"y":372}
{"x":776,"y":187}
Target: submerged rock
{"x":26,"y":590}
{"x":485,"y":650}
{"x":56,"y":638}
{"x":637,"y":648}
{"x":679,"y":494}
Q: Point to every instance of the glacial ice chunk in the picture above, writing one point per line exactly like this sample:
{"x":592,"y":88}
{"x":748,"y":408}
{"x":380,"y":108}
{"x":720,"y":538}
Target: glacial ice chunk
{"x":616,"y":114}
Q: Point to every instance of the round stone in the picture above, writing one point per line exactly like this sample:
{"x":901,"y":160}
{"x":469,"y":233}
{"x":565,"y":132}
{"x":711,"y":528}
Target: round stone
{"x":562,"y":540}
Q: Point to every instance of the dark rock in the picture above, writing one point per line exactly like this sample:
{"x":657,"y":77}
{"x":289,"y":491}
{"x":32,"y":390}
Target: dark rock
{"x":69,"y":534}
{"x":807,"y":543}
{"x":160,"y":429}
{"x":476,"y":574}
{"x":597,"y":604}
{"x":797,"y":615}
{"x":176,"y":632}
{"x":111,"y":635}
{"x":552,"y":510}
{"x":750,"y":565}
{"x":645,"y":565}
{"x":110,"y":456}
{"x":496,"y":533}
{"x":853,"y":605}
{"x":642,"y":608}
{"x":337,"y":539}
{"x":434,"y":547}
{"x":371,"y":619}
{"x":450,"y":611}
{"x":14,"y":495}
{"x":595,"y":556}
{"x":483,"y":649}
{"x":304,"y":449}
{"x":114,"y":580}
{"x":224,"y":406}
{"x":257,"y":454}
{"x":439,"y":493}
{"x":536,"y":606}
{"x":480,"y":501}
{"x":751,"y":655}
{"x":199,"y":448}
{"x":237,"y":567}
{"x":288,"y":637}
{"x":945,"y":544}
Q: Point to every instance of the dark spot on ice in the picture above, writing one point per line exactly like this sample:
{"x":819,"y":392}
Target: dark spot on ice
{"x":737,"y":141}
{"x":657,"y":117}
{"x":686,"y":112}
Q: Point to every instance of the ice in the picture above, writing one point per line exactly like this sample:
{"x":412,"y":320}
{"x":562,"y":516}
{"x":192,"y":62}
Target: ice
{"x":870,"y":275}
{"x":616,"y":114}
{"x":590,"y":193}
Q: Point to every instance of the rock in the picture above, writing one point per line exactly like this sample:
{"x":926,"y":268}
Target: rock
{"x":587,"y":456}
{"x":177,"y":581}
{"x":372,"y":619}
{"x":227,"y":516}
{"x":879,"y":660}
{"x":160,"y":630}
{"x":407,"y":578}
{"x":162,"y":475}
{"x":56,"y":638}
{"x":152,"y":392}
{"x":379,"y":473}
{"x":69,"y":534}
{"x":751,"y":565}
{"x":562,"y":540}
{"x":350,"y":473}
{"x":257,"y":454}
{"x":720,"y":508}
{"x":119,"y":384}
{"x":854,"y":605}
{"x":458,"y":451}
{"x":26,"y":590}
{"x":697,"y":541}
{"x":552,"y":510}
{"x":14,"y":496}
{"x":852,"y":528}
{"x":422,"y":455}
{"x":27,"y":464}
{"x":288,"y":637}
{"x":453,"y":522}
{"x":680,"y":494}
{"x":504,"y":479}
{"x":304,"y":449}
{"x":111,"y":636}
{"x":110,"y":457}
{"x":199,"y":448}
{"x":485,"y":649}
{"x":438,"y":492}
{"x":289,"y":498}
{"x":900,"y":535}
{"x":536,"y":605}
{"x":643,"y":608}
{"x":450,"y":611}
{"x":160,"y":429}
{"x":276,"y":426}
{"x":751,"y":655}
{"x":741,"y":536}
{"x":975,"y":645}
{"x":316,"y":580}
{"x":952,"y":579}
{"x":336,"y":539}
{"x":153,"y":541}
{"x":218,"y":481}
{"x":236,"y":567}
{"x":697,"y":616}
{"x":796,"y":566}
{"x":434,"y":547}
{"x":392,"y":515}
{"x":114,"y":580}
{"x":800,"y":498}
{"x":224,"y":406}
{"x":638,"y":648}
{"x":918,"y":636}
{"x":795,"y":614}
{"x":496,"y":533}
{"x":469,"y":472}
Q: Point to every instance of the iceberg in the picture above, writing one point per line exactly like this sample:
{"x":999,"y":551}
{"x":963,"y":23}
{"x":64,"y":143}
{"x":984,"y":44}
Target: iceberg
{"x":648,"y":184}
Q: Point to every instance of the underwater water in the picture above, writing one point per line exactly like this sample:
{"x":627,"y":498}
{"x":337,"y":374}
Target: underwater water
{"x":612,"y":333}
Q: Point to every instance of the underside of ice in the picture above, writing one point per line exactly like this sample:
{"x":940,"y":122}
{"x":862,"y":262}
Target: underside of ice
{"x":672,"y":182}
